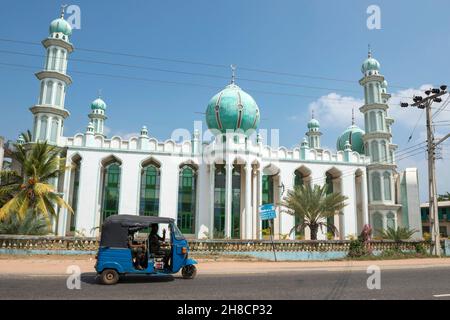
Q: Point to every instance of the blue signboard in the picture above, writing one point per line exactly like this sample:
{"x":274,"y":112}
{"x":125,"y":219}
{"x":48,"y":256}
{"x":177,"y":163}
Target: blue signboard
{"x":267,"y":211}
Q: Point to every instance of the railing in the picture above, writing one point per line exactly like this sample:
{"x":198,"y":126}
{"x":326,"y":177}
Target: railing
{"x":89,"y":244}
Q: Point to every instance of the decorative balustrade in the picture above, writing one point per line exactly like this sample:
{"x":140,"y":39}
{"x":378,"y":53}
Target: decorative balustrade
{"x":45,"y":243}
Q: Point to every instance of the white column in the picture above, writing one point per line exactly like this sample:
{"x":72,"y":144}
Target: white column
{"x":212,"y":172}
{"x":364,"y":198}
{"x":254,"y":203}
{"x":63,"y":213}
{"x":168,"y":204}
{"x":384,"y":220}
{"x":130,"y":188}
{"x":228,"y":198}
{"x":49,"y":127}
{"x":350,"y":209}
{"x":38,"y":127}
{"x":248,"y":194}
{"x":260,"y":194}
{"x":54,"y":88}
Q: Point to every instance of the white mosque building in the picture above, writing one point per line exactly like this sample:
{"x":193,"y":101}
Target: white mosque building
{"x":213,"y":189}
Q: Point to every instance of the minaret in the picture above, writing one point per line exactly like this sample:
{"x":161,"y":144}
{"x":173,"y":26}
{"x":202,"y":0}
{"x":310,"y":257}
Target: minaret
{"x":313,"y":133}
{"x":378,"y":144}
{"x":97,"y":116}
{"x":49,"y":113}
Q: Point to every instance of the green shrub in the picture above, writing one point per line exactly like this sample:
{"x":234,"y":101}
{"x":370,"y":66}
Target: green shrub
{"x":357,"y":249}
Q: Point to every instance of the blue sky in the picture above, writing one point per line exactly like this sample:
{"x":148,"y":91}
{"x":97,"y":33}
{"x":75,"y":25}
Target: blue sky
{"x":323,"y":39}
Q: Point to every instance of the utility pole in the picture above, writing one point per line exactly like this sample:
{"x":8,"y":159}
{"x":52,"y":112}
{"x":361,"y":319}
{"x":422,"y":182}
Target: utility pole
{"x":432,"y":95}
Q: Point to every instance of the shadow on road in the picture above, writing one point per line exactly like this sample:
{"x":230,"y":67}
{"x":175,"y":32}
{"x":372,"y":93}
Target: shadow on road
{"x":93,"y":278}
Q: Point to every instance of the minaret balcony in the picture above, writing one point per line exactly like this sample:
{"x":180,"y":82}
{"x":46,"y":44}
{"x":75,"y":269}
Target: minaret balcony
{"x":57,"y":42}
{"x":55,"y":75}
{"x":39,"y":108}
{"x":377,"y":135}
{"x":371,"y":78}
{"x":373,"y":106}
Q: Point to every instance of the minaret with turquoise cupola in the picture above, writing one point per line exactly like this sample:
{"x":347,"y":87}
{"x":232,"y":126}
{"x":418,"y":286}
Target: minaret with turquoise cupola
{"x":49,"y":113}
{"x":97,"y":116}
{"x":378,"y":146}
{"x":313,"y":133}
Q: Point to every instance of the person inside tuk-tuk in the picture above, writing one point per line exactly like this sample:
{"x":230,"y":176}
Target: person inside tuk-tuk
{"x":138,"y":252}
{"x":155,"y":241}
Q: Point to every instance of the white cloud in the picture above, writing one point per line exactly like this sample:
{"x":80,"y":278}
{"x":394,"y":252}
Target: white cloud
{"x":335,"y":110}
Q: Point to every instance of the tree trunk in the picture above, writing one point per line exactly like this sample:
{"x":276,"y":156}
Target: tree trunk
{"x":314,"y":229}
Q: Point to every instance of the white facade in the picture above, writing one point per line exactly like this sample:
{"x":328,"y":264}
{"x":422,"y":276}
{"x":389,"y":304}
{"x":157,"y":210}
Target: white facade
{"x":214,"y":189}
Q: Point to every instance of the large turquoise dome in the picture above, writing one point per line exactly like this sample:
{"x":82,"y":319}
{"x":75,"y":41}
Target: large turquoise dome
{"x":232,"y":109}
{"x":60,"y":25}
{"x":354,"y":135}
{"x":98,"y":104}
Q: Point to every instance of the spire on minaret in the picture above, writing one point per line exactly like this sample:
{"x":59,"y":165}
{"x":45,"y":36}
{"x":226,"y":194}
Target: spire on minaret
{"x":233,"y":75}
{"x":63,"y":8}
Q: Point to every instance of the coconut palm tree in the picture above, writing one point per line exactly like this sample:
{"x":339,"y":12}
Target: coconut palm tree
{"x":29,"y":225}
{"x":30,"y":189}
{"x":313,"y":206}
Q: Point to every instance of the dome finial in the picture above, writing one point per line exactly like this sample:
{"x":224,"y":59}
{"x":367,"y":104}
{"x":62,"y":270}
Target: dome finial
{"x":370,"y":52}
{"x":63,"y":7}
{"x":99,"y":93}
{"x":233,"y":75}
{"x":353,"y":116}
{"x":312,"y":114}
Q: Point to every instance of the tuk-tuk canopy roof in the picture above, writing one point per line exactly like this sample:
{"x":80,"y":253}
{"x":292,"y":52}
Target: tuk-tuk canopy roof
{"x":115,"y":228}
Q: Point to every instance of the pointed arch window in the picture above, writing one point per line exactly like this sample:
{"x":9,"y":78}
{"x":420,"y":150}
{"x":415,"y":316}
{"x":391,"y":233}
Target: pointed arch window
{"x":43,"y":129}
{"x":111,"y":190}
{"x":390,"y":220}
{"x":76,"y":166}
{"x":54,"y":56}
{"x":377,"y":222}
{"x":376,"y":186}
{"x":373,"y":121}
{"x":387,"y":186}
{"x":219,"y":202}
{"x":49,"y":94}
{"x":383,"y":154}
{"x":59,"y":91}
{"x":54,"y":130}
{"x":187,"y":189}
{"x":150,"y":189}
{"x":375,"y":152}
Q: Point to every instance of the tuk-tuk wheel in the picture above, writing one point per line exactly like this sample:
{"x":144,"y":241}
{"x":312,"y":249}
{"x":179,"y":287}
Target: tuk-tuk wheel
{"x":189,"y":272}
{"x":109,"y":276}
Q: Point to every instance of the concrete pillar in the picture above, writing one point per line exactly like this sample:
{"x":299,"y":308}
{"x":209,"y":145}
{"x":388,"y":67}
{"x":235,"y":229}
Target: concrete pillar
{"x":212,"y":172}
{"x":228,"y":198}
{"x":248,"y":194}
{"x":254,"y":203}
{"x":260,"y":193}
{"x":350,"y":214}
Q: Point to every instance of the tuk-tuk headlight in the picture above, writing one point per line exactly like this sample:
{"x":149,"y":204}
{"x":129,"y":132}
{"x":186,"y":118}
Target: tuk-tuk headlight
{"x":184,"y":250}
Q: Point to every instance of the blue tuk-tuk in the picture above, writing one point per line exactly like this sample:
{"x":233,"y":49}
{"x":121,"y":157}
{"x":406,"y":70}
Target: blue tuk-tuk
{"x":116,"y":255}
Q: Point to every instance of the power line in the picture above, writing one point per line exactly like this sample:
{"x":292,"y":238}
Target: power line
{"x":140,"y":67}
{"x":341,"y":99}
{"x":183,"y":61}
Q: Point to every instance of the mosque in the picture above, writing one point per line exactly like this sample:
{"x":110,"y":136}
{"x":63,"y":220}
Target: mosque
{"x":213,"y":189}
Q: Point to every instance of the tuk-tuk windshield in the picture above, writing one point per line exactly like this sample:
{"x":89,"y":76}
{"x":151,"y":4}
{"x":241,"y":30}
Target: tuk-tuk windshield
{"x":177,"y":233}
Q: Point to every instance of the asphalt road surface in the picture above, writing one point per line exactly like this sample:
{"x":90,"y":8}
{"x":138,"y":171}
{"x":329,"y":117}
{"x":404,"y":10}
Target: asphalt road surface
{"x":423,"y":283}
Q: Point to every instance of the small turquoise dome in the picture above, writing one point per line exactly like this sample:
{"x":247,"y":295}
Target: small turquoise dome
{"x":354,"y":135}
{"x":98,"y":104}
{"x":313,"y":124}
{"x":384,"y":84}
{"x":60,"y":25}
{"x":232,"y":109}
{"x":370,"y":64}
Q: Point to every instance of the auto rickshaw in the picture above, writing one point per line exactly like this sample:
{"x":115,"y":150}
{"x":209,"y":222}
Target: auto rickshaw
{"x":116,"y":255}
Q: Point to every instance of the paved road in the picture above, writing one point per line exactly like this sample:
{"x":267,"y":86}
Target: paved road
{"x":421,"y":283}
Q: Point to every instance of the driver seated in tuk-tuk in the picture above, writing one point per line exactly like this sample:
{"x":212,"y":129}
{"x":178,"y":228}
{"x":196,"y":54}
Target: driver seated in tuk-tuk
{"x":155,"y":243}
{"x":138,"y":250}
